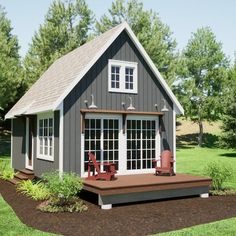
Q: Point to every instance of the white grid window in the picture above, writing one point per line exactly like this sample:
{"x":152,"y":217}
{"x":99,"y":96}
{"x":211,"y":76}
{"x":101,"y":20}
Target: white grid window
{"x":115,"y":77}
{"x":122,"y":76}
{"x":141,"y":136}
{"x":129,"y":78}
{"x":45,"y":137}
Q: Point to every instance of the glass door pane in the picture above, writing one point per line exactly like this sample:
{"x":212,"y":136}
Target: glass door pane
{"x":92,"y":140}
{"x":141,"y":145}
{"x":101,"y":136}
{"x":111,"y":141}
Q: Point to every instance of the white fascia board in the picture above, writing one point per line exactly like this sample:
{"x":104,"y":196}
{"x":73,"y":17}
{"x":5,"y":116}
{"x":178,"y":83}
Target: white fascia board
{"x":86,"y":69}
{"x":165,"y":86}
{"x":125,"y":26}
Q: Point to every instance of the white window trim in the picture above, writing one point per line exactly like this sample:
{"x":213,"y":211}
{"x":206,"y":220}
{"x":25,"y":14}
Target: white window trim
{"x":40,"y":116}
{"x":123,"y":65}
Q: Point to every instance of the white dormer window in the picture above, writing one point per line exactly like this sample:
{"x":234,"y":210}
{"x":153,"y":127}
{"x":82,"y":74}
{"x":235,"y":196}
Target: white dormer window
{"x":122,"y":76}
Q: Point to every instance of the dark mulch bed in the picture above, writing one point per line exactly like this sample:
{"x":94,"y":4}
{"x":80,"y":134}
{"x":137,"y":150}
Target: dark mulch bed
{"x":135,"y":219}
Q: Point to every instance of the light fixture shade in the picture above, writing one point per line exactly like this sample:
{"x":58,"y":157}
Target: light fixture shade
{"x":92,"y":106}
{"x":164,"y":109}
{"x":131,"y":107}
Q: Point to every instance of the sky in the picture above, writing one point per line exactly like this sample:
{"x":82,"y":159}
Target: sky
{"x":182,"y":16}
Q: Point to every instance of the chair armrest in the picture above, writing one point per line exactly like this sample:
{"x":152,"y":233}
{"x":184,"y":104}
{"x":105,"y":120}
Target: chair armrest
{"x":172,"y":160}
{"x":91,"y":164}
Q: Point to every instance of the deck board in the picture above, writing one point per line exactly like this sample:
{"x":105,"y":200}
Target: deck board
{"x":144,"y":182}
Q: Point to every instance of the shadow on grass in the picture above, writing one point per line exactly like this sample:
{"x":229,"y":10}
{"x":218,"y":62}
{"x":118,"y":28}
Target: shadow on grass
{"x":188,"y":141}
{"x":232,"y":154}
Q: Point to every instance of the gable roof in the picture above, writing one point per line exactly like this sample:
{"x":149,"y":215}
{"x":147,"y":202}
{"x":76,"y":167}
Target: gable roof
{"x":60,"y":78}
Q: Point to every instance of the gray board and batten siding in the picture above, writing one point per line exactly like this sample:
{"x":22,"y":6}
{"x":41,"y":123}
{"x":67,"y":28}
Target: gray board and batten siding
{"x":150,"y":92}
{"x":19,"y":143}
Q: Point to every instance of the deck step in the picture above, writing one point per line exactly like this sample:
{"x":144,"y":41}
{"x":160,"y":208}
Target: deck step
{"x":27,"y":172}
{"x":14,"y":181}
{"x":22,"y":175}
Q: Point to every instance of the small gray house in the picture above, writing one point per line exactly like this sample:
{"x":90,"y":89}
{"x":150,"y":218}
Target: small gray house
{"x":106,"y":96}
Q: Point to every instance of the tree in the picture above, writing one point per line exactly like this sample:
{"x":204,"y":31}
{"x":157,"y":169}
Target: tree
{"x":228,"y":139}
{"x":202,"y":78}
{"x":10,"y":67}
{"x":155,"y":36}
{"x":65,"y":28}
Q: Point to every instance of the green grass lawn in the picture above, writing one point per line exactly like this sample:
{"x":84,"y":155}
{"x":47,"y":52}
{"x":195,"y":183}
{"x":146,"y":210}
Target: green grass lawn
{"x":10,"y":225}
{"x":190,"y":160}
{"x":218,"y":228}
{"x":193,"y":161}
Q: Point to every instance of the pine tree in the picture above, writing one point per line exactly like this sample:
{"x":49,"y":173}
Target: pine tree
{"x":65,"y":28}
{"x":10,"y":68}
{"x":228,"y":139}
{"x":154,"y":35}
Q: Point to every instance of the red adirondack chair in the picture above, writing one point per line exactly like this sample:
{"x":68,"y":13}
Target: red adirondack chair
{"x":167,"y":164}
{"x":108,"y":174}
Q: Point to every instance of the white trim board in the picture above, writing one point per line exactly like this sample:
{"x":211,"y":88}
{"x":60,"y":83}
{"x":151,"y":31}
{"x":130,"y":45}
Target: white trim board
{"x":61,"y":137}
{"x":123,"y":26}
{"x":117,"y":31}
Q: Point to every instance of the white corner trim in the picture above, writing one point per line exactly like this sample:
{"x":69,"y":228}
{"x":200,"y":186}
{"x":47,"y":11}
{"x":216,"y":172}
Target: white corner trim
{"x":61,"y":137}
{"x":123,"y":26}
{"x":174,"y":138}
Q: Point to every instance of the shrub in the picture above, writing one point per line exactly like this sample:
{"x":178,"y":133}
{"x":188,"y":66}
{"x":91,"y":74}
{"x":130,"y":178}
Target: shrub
{"x":63,"y":186}
{"x":64,"y":189}
{"x":6,"y":172}
{"x":219,"y":172}
{"x":36,"y":191}
{"x":54,"y":205}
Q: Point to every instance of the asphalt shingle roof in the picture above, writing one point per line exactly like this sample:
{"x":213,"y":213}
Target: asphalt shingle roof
{"x":59,"y":76}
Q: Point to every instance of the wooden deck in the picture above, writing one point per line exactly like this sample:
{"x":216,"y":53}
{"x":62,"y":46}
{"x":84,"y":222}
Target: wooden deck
{"x":142,"y":187}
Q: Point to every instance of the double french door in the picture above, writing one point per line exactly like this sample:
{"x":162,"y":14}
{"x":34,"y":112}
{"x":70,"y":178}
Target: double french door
{"x":133,"y":151}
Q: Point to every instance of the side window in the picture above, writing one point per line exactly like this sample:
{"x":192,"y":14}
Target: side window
{"x":45,"y":137}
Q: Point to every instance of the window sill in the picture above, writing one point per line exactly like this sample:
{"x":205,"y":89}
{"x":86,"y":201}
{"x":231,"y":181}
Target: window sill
{"x":45,"y":158}
{"x":122,"y":91}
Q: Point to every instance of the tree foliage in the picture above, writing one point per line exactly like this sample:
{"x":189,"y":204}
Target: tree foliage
{"x":202,"y":78}
{"x":154,"y":35}
{"x":228,"y":139}
{"x":10,"y":68}
{"x":65,"y":28}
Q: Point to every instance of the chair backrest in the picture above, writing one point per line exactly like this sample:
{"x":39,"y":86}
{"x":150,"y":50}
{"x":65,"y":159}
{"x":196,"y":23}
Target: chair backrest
{"x":92,"y":158}
{"x":166,"y":157}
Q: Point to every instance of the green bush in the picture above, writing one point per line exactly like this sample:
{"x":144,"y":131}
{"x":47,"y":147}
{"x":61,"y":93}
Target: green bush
{"x":6,"y":172}
{"x":37,"y":191}
{"x":54,"y":205}
{"x":219,"y":172}
{"x":64,"y":185}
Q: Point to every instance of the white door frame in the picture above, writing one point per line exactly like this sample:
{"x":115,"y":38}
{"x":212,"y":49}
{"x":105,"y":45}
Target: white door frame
{"x":100,"y":116}
{"x":157,"y":144}
{"x":27,"y":166}
{"x":123,"y":142}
